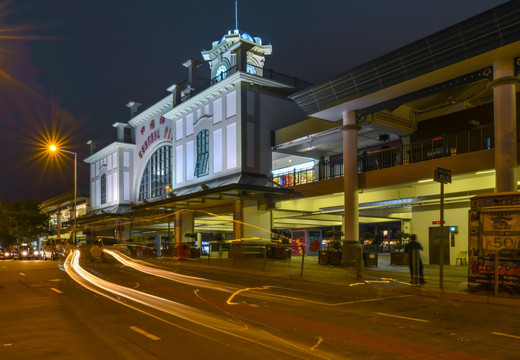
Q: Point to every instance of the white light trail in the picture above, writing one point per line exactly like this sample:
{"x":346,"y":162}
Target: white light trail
{"x":190,"y":314}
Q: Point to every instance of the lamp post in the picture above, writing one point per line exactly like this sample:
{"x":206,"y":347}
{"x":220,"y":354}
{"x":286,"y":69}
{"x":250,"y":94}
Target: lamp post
{"x":54,"y":148}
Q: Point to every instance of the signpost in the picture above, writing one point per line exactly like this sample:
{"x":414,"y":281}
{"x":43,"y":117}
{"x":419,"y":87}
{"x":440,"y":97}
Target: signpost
{"x":442,"y":176}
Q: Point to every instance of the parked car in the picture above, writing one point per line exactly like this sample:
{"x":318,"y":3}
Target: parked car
{"x":55,"y":248}
{"x":24,"y":251}
{"x":5,"y":254}
{"x":109,"y":243}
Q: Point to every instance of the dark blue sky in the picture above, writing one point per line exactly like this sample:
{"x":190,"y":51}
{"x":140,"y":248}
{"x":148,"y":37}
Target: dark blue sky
{"x":69,"y":67}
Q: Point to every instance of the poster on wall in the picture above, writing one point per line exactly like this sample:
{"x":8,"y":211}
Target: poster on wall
{"x":298,"y":241}
{"x":305,"y":240}
{"x":500,"y":231}
{"x":494,"y":229}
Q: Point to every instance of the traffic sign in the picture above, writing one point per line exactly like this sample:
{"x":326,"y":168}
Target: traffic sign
{"x":442,"y":175}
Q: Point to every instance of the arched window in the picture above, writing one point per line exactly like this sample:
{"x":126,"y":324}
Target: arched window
{"x":202,"y":165}
{"x":103,"y":189}
{"x":157,"y":176}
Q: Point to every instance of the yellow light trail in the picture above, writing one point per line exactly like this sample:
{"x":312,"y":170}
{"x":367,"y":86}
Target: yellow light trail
{"x":257,"y":293}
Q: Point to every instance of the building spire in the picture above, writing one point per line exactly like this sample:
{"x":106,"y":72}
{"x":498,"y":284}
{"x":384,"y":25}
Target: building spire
{"x":236,"y":14}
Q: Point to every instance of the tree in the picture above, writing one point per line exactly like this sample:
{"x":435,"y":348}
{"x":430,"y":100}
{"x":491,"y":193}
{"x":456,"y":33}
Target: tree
{"x":21,"y":219}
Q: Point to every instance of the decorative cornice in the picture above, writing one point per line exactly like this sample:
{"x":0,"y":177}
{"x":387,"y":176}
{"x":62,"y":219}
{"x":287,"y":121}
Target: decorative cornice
{"x":107,"y":150}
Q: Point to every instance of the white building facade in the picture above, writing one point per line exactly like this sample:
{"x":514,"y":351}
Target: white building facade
{"x":200,"y":136}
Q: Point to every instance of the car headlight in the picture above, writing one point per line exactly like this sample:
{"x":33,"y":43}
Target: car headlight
{"x":36,"y":252}
{"x":7,"y":254}
{"x":24,"y":253}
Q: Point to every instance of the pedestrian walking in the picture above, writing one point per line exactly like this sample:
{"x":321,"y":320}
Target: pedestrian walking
{"x":412,"y":246}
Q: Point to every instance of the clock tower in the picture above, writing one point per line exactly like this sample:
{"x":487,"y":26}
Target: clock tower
{"x":236,"y":52}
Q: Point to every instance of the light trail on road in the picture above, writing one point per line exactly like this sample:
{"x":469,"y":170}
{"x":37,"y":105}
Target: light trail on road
{"x":258,"y":293}
{"x":183,"y":279}
{"x":190,"y":314}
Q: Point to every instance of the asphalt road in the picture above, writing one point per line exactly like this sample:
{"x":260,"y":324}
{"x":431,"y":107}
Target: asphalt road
{"x":183,"y":312}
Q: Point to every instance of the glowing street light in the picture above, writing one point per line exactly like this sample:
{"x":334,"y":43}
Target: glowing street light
{"x":54,"y":148}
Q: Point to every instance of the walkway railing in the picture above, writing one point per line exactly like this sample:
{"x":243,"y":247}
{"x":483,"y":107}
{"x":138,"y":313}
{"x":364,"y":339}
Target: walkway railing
{"x":441,"y":146}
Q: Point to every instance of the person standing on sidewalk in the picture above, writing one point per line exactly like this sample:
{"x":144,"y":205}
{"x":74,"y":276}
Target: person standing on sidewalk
{"x":409,"y":248}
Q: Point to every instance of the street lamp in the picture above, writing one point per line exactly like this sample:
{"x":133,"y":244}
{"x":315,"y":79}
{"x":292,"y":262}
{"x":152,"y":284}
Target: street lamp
{"x":54,"y":148}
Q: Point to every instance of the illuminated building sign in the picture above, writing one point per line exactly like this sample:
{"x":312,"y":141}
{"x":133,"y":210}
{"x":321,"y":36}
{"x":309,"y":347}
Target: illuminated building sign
{"x":155,"y":133}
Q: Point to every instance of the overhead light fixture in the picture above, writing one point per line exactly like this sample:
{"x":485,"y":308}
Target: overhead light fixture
{"x":424,"y":181}
{"x":484,"y":172}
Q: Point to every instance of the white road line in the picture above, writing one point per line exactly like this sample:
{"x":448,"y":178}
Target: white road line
{"x":506,"y":335}
{"x":402,"y":317}
{"x":56,"y":290}
{"x":145,"y":333}
{"x":22,"y":274}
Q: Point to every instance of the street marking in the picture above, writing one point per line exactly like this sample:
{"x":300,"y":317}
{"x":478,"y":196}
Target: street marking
{"x":320,"y":339}
{"x":229,"y":300}
{"x":267,"y":287}
{"x":506,"y":335}
{"x":22,"y":274}
{"x":145,"y":333}
{"x":402,"y":317}
{"x":56,"y":290}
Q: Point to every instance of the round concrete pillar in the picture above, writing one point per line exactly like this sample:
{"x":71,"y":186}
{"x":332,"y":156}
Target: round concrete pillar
{"x":350,"y":184}
{"x":504,"y":97}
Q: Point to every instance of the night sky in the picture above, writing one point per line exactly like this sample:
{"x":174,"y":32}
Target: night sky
{"x":69,"y":67}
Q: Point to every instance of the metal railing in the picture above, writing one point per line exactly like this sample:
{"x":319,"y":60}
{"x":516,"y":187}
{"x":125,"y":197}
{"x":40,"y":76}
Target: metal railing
{"x":267,"y":74}
{"x":441,"y":146}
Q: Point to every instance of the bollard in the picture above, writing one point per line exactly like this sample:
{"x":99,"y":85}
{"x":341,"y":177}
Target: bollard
{"x":358,"y":262}
{"x":266,"y":250}
{"x":496,"y":274}
{"x":303,"y":258}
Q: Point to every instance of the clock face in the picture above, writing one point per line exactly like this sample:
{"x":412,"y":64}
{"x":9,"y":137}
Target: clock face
{"x":221,"y":72}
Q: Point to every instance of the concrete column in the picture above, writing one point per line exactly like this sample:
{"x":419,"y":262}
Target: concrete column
{"x":350,"y":174}
{"x":350,"y":187}
{"x":184,"y":223}
{"x":199,"y":240}
{"x":58,"y":223}
{"x":504,"y":97}
{"x":250,"y":222}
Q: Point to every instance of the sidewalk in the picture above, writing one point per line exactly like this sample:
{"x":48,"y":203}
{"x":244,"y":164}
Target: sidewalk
{"x":384,"y":276}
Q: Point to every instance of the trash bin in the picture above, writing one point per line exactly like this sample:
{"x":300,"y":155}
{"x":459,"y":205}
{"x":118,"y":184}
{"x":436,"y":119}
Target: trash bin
{"x":181,"y":251}
{"x":370,"y":258}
